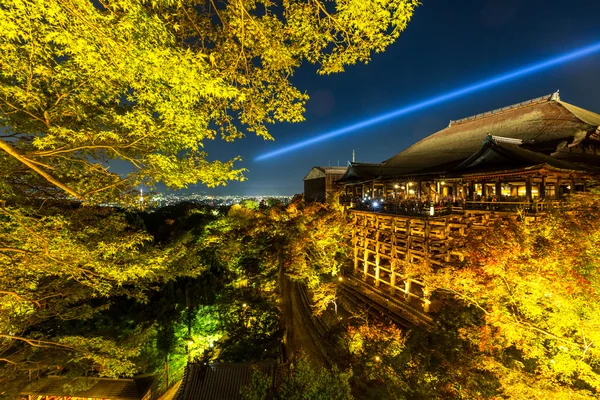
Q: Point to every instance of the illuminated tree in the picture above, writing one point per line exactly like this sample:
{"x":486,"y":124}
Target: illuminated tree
{"x":146,"y":83}
{"x":60,"y":265}
{"x":377,"y":361}
{"x":149,"y":82}
{"x":318,"y":249}
{"x":308,"y":243}
{"x":534,"y":291}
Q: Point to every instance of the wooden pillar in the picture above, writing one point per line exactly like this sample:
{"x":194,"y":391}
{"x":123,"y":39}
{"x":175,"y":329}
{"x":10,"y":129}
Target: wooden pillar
{"x":377,"y":259}
{"x":393,"y":264}
{"x":528,"y":189}
{"x":407,"y":290}
{"x":472,"y":192}
{"x":426,"y":299}
{"x":498,"y":189}
{"x":419,"y":187}
{"x":572,"y":184}
{"x":542,"y":190}
{"x":393,"y":275}
{"x":557,"y":190}
{"x":365,"y":246}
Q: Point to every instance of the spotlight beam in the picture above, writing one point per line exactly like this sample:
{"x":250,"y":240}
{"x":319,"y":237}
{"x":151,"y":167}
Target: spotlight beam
{"x":486,"y":83}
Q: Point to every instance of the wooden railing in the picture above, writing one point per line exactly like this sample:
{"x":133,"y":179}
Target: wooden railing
{"x":511,"y":206}
{"x":418,"y":209}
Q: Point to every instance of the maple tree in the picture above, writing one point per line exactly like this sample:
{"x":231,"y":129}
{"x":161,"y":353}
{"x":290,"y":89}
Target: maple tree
{"x":61,"y":264}
{"x":534,"y":286}
{"x":149,"y":82}
{"x":84,"y":84}
{"x":307,"y":242}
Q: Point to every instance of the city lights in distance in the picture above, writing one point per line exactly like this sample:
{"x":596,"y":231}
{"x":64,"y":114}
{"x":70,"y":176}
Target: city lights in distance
{"x":444,"y":97}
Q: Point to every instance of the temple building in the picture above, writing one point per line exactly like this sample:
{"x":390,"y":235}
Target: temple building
{"x":417,"y":206}
{"x":542,"y":149}
{"x":321,"y":182}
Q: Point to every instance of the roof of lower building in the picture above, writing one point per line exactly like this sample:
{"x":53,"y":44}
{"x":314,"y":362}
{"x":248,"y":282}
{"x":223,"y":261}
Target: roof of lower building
{"x":320,"y":172}
{"x":221,"y":381}
{"x":93,"y":388}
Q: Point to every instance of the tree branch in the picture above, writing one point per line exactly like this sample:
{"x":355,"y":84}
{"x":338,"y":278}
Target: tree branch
{"x":36,"y":343}
{"x":15,"y":250}
{"x":19,"y":297}
{"x":11,"y":151}
{"x":106,"y":187}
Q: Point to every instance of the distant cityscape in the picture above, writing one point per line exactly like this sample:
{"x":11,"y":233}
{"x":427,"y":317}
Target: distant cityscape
{"x":163,"y":200}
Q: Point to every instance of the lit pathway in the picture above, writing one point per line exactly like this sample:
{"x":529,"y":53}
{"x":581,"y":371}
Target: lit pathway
{"x":170,"y":394}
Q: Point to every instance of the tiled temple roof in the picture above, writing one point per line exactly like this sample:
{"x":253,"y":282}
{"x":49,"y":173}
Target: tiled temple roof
{"x":495,"y":155}
{"x":220,"y":381}
{"x":93,"y":388}
{"x":543,"y":124}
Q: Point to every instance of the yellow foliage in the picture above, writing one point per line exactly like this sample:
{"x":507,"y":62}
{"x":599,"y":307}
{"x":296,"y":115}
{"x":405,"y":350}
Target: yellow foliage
{"x":150,"y":82}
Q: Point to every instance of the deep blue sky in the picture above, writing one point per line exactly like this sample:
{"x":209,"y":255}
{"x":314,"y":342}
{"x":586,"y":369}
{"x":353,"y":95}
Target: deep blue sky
{"x":446,"y":45}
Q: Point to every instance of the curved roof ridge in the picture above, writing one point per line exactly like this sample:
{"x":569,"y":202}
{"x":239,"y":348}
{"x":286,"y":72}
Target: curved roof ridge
{"x":542,"y":99}
{"x":589,"y":117}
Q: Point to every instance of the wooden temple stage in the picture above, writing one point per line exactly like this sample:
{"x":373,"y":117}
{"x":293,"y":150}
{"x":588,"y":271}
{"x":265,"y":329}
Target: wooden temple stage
{"x":417,"y":206}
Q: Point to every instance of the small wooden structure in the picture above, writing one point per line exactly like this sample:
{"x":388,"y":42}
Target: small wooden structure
{"x":416,"y":206}
{"x":221,"y":381}
{"x":320,"y":182}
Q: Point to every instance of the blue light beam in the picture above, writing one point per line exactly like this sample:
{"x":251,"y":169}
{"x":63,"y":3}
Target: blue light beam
{"x":517,"y":73}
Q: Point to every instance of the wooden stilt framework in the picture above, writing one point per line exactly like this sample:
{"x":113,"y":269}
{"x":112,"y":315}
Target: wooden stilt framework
{"x":384,"y":243}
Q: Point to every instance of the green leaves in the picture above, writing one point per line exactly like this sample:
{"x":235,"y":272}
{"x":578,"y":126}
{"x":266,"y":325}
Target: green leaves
{"x":148,"y":83}
{"x":60,"y":264}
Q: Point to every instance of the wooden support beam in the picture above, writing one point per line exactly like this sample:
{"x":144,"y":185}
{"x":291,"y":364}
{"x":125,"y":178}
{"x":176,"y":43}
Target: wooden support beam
{"x":355,"y":259}
{"x":393,"y":276}
{"x":426,"y":299}
{"x":407,"y":286}
{"x":528,"y":186}
{"x":365,"y":265}
{"x":377,"y":260}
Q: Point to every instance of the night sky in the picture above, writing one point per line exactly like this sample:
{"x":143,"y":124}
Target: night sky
{"x":447,"y":44}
